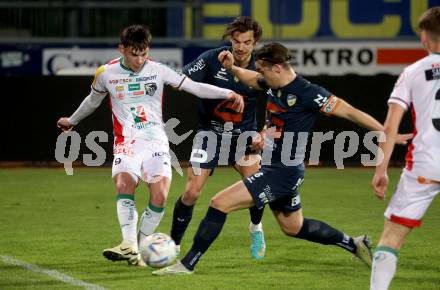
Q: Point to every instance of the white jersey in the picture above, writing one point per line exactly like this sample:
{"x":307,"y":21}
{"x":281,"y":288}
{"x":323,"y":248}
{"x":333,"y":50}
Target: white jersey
{"x":418,"y":88}
{"x":136,"y":98}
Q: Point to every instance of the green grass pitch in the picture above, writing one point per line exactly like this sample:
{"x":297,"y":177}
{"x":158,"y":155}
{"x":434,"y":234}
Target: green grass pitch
{"x":63,"y":223}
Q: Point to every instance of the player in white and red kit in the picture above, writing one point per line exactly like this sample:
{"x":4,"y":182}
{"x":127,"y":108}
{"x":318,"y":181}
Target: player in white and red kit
{"x":418,"y":89}
{"x":135,"y":85}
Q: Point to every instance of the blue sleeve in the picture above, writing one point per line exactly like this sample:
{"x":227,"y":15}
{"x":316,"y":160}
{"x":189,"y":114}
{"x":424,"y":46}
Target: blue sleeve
{"x":200,"y":67}
{"x":315,"y":97}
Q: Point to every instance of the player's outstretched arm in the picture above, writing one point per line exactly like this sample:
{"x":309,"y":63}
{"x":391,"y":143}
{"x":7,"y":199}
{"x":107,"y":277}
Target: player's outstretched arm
{"x":88,"y":106}
{"x":248,"y":77}
{"x":347,"y":111}
{"x":207,"y":91}
{"x":391,"y":126}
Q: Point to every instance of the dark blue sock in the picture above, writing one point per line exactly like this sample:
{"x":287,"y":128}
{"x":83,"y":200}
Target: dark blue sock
{"x":256,"y":214}
{"x":209,"y":229}
{"x":320,"y":232}
{"x":182,"y":215}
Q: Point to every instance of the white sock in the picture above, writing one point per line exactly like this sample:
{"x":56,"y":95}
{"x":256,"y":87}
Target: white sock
{"x":255,"y":228}
{"x":128,"y":218}
{"x":383,"y":268}
{"x":150,"y":219}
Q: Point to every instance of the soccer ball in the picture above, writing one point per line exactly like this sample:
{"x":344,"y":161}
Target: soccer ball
{"x":158,"y":250}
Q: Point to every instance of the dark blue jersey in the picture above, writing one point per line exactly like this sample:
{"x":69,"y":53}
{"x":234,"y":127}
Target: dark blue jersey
{"x":291,"y":110}
{"x":212,"y":114}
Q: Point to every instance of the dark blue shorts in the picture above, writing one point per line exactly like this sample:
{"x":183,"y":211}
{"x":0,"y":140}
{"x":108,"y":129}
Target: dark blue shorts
{"x":211,"y":149}
{"x":276,"y":186}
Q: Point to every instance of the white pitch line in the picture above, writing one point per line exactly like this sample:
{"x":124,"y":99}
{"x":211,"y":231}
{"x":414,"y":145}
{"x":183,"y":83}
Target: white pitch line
{"x":52,"y":273}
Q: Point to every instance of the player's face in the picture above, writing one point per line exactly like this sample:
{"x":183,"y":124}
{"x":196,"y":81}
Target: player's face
{"x":269,"y":74}
{"x":242,"y":45}
{"x":134,"y":59}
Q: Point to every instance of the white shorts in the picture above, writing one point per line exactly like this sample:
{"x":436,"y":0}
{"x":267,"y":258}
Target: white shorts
{"x":411,"y":199}
{"x":142,"y":159}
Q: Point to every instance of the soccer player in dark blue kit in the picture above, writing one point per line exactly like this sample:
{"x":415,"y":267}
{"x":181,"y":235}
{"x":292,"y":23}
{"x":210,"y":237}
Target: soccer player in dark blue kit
{"x":293,"y":103}
{"x":216,"y":142}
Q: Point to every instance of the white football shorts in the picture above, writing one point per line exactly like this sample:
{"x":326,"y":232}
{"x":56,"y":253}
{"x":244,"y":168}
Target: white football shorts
{"x":142,"y":159}
{"x":411,"y":200}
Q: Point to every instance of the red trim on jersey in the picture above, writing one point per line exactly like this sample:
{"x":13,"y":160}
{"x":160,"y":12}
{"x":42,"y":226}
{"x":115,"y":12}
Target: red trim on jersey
{"x":274,"y":108}
{"x":116,"y":60}
{"x":117,"y":128}
{"x":409,"y":154}
{"x":405,"y":221}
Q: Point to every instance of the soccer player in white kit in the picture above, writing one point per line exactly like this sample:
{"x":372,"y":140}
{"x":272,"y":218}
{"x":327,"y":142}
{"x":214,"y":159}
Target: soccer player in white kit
{"x":135,"y":85}
{"x":418,"y":89}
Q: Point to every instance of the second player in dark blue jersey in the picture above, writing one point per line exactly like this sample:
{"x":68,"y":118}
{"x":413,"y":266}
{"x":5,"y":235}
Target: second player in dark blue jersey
{"x":217,"y":140}
{"x":213,"y":114}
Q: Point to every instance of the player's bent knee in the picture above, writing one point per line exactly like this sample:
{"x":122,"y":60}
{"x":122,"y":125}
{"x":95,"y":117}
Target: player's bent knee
{"x":124,"y":187}
{"x":190,"y":196}
{"x":291,"y":230}
{"x":159,"y":198}
{"x":217,"y":204}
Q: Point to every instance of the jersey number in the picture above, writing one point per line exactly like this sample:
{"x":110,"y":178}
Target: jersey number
{"x":436,"y":113}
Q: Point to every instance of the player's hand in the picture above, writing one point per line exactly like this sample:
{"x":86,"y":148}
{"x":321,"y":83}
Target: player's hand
{"x":64,"y":124}
{"x":238,"y":104}
{"x":402,"y":139}
{"x":258,"y":140}
{"x":380,"y":185}
{"x":226,"y":59}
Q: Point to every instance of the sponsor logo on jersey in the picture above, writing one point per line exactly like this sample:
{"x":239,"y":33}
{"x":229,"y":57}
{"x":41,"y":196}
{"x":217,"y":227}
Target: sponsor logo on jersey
{"x":266,"y":196}
{"x":144,"y":79}
{"x":123,"y":149}
{"x":120,"y":81}
{"x":432,"y":74}
{"x":330,"y":106}
{"x":120,"y":94}
{"x":138,"y":114}
{"x":199,"y":65}
{"x":291,"y":100}
{"x":134,"y":87}
{"x":160,"y":154}
{"x":221,"y":74}
{"x":150,"y":88}
{"x":320,"y":100}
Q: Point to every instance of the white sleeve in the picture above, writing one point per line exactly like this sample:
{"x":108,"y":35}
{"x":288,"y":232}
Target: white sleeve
{"x":204,"y":91}
{"x":401,"y":93}
{"x":171,"y":77}
{"x":88,"y":106}
{"x":98,"y":84}
{"x":201,"y":90}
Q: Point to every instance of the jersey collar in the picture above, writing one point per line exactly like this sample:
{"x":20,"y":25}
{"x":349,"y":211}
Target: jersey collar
{"x":121,"y":62}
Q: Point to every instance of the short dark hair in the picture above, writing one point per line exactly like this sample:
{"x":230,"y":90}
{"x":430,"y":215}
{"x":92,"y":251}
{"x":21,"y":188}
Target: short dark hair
{"x":274,"y":53}
{"x":136,"y":36}
{"x":243,"y":24}
{"x":430,"y":21}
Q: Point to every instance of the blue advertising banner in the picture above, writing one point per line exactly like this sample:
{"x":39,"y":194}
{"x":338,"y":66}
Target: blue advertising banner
{"x":309,"y":19}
